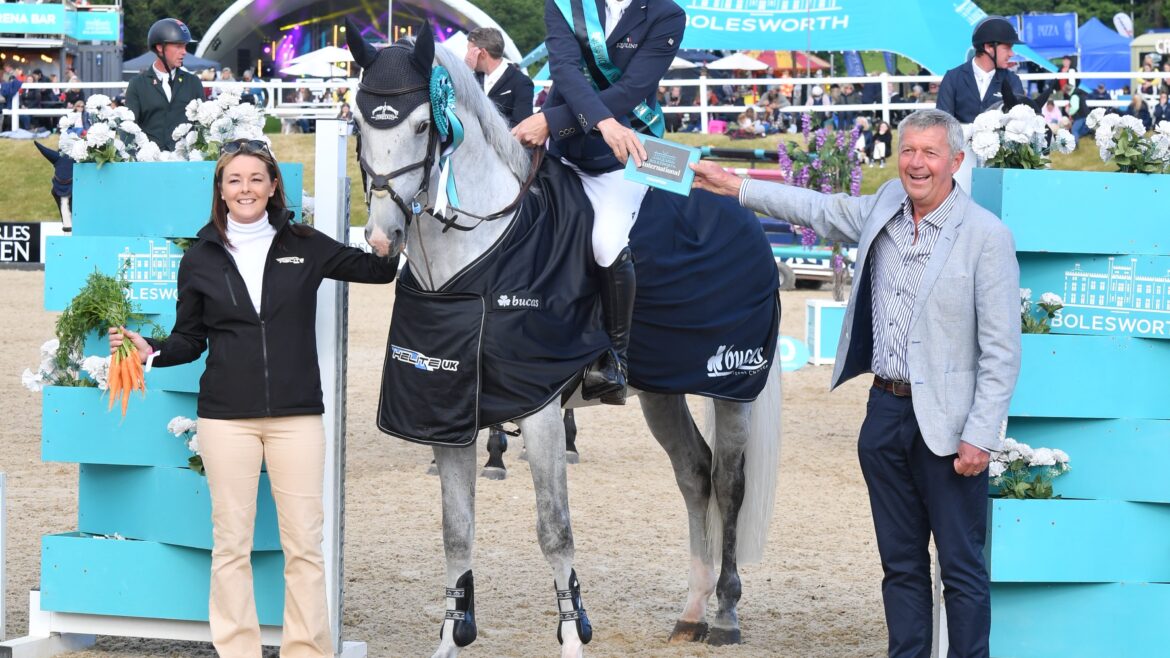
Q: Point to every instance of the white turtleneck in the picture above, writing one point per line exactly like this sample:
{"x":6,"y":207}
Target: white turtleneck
{"x":250,"y":245}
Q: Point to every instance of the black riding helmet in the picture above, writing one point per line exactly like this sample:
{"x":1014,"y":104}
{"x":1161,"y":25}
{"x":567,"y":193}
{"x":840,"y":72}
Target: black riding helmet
{"x":164,"y":31}
{"x":994,"y":29}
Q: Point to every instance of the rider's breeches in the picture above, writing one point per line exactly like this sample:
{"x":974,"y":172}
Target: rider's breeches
{"x":615,"y":209}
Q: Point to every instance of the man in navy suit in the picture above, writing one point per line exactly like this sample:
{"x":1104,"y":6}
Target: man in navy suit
{"x":505,"y":85}
{"x":977,"y":84}
{"x":607,"y":58}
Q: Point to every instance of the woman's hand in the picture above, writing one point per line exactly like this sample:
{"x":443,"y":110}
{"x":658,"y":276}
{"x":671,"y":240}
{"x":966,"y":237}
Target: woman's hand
{"x":622,"y":140}
{"x":713,"y":178}
{"x":118,"y":335}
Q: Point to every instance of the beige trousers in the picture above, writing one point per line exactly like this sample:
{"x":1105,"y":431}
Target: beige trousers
{"x":293,"y":447}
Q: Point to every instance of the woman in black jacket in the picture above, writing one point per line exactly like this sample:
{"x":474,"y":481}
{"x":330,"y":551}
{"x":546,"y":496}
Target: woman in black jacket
{"x":248,"y":293}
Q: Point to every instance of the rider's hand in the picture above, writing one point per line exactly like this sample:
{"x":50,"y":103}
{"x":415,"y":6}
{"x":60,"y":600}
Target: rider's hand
{"x":713,"y":178}
{"x":116,"y":340}
{"x":533,"y":131}
{"x":622,"y":140}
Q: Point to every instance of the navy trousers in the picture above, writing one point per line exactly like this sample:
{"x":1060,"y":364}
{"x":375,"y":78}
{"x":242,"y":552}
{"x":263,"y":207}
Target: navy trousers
{"x":914,"y":493}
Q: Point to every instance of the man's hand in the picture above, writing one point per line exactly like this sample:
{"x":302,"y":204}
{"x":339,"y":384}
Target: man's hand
{"x":713,"y":178}
{"x":533,"y":131}
{"x":622,"y":140}
{"x":971,"y":460}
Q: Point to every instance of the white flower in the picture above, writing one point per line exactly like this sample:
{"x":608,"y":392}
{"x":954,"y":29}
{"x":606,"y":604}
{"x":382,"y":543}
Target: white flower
{"x":1163,"y":128}
{"x":78,"y":150}
{"x":148,"y":152}
{"x":180,"y":425}
{"x":228,"y":98}
{"x":1094,"y":118}
{"x":190,"y":139}
{"x":32,"y":381}
{"x":1018,"y":130}
{"x":996,"y":469}
{"x":195,"y":156}
{"x":221,"y":129}
{"x":1133,"y":124}
{"x":169,"y":156}
{"x":123,"y":113}
{"x":1060,"y":456}
{"x":108,"y":114}
{"x":193,"y":443}
{"x":989,"y":121}
{"x":1065,"y":142}
{"x":50,"y":347}
{"x":208,"y":113}
{"x":1042,"y":457}
{"x":985,"y":144}
{"x":180,"y":131}
{"x":129,"y":127}
{"x":1051,"y":299}
{"x":68,"y":121}
{"x":99,"y":135}
{"x":1021,"y":112}
{"x":98,"y":369}
{"x":96,"y":102}
{"x":192,"y":109}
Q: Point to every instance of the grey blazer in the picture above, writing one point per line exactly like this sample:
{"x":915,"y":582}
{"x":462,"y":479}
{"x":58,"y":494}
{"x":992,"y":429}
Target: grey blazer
{"x":964,"y":351}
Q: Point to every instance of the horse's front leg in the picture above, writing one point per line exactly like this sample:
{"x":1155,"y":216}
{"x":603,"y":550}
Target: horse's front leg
{"x":672,"y":425}
{"x":544,"y":436}
{"x":732,"y":420}
{"x":457,"y":474}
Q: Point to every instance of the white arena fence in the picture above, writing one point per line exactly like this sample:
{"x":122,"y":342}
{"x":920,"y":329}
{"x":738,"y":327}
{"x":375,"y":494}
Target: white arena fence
{"x":324,"y":107}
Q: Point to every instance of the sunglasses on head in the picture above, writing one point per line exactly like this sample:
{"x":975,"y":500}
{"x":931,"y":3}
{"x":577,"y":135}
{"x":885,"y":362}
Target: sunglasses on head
{"x":246,"y":146}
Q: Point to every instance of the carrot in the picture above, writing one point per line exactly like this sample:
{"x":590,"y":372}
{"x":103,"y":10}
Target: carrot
{"x":115,"y":379}
{"x":125,"y":394}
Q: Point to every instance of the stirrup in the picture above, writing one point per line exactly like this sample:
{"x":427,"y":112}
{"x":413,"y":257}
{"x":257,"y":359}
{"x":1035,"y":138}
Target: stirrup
{"x":463,"y":629}
{"x":577,"y":614}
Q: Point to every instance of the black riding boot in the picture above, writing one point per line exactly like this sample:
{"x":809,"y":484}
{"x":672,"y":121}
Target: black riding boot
{"x":606,"y":378}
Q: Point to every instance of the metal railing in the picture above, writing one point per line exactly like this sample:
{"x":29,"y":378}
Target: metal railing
{"x":324,"y":107}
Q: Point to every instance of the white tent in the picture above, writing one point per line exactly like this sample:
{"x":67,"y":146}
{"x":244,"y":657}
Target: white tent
{"x":737,"y":62}
{"x":315,"y":70}
{"x":680,"y":63}
{"x":328,"y":55}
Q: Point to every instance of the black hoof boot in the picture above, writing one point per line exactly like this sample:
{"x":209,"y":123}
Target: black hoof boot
{"x":497,"y":445}
{"x":571,"y":454}
{"x":463,"y":616}
{"x":573,"y":594}
{"x":723,"y":636}
{"x":688,"y":631}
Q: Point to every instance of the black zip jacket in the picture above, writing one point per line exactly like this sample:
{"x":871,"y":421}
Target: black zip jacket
{"x":260,"y":364}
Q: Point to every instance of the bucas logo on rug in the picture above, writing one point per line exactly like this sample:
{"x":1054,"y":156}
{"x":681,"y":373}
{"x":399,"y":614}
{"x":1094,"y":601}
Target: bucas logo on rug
{"x":730,"y":361}
{"x":515,"y":302}
{"x":422,"y":361}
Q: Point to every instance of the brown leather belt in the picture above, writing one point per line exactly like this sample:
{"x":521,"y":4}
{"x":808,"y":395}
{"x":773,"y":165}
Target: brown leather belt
{"x":900,"y":389}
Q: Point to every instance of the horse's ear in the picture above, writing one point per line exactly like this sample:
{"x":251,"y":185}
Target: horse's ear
{"x":50,"y":155}
{"x":363,"y":53}
{"x":423,"y":54}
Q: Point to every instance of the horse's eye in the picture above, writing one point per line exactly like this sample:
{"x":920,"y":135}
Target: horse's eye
{"x":422,"y":127}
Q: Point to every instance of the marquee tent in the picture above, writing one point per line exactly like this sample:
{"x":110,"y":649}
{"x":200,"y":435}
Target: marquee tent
{"x":1102,"y":49}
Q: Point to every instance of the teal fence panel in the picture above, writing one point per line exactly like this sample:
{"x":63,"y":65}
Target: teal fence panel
{"x":1111,"y":620}
{"x":1077,"y":212}
{"x":131,"y":578}
{"x":166,"y":505}
{"x":146,"y":199}
{"x":76,"y":427}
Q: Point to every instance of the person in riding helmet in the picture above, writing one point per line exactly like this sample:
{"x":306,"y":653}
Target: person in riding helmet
{"x":977,"y":84}
{"x":158,"y":96}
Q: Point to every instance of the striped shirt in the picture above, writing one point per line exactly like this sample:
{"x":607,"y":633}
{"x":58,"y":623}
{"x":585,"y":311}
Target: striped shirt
{"x":900,"y":253}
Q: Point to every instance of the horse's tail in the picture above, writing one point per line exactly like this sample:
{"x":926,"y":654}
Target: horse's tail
{"x":761,"y":457}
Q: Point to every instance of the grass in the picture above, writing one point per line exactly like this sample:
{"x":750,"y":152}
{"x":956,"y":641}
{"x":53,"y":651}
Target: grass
{"x":25,"y":175}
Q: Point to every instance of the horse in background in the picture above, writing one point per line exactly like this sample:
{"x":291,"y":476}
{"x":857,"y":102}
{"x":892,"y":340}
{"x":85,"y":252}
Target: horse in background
{"x":62,"y":184}
{"x":726,"y":474}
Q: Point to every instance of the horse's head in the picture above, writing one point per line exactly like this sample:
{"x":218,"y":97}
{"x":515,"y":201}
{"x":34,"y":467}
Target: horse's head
{"x":62,"y":182}
{"x":398,"y":147}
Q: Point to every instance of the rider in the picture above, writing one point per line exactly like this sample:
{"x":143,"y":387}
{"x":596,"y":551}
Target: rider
{"x":589,"y":119}
{"x":158,"y":96}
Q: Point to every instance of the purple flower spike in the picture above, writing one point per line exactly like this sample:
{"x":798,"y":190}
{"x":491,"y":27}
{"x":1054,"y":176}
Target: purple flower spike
{"x":808,"y":237}
{"x":806,"y":125}
{"x":821,"y":136}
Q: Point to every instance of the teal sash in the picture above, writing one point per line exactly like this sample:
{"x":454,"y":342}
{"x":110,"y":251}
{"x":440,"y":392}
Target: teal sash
{"x":583,"y":19}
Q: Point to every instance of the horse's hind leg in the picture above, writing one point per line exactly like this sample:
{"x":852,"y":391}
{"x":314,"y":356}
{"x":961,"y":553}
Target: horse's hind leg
{"x":457,"y":475}
{"x":544,"y":437}
{"x":673,"y":427}
{"x":732,"y":425}
{"x":497,"y":445}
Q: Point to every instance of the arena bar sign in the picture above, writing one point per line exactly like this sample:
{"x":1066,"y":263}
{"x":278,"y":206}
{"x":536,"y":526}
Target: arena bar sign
{"x":20,"y":242}
{"x":32,"y":19}
{"x":935,"y":34}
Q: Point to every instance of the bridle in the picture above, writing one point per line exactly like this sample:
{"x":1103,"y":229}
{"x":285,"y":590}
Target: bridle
{"x":419,"y":200}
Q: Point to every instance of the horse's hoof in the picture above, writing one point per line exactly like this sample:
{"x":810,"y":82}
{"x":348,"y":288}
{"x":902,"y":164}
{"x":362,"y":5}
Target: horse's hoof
{"x":572,"y":457}
{"x":433,"y":469}
{"x":493,"y":473}
{"x":688,"y":631}
{"x":719,"y":637}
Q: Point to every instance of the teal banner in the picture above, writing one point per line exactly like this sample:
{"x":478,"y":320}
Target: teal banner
{"x":936,"y":34}
{"x":32,"y":19}
{"x":94,"y":25}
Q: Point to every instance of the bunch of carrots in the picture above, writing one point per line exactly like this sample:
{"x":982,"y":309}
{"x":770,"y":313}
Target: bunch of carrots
{"x":126,"y":374}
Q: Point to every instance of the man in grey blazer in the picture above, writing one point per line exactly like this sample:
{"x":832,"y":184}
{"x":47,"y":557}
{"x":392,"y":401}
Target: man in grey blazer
{"x":935,"y":315}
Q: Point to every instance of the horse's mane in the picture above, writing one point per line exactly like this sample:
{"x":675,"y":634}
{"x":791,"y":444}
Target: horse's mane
{"x":473,"y":102}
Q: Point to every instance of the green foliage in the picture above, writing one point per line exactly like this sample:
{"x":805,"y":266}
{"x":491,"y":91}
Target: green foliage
{"x":141,"y":14}
{"x":1134,"y":154}
{"x":1012,"y":155}
{"x":1022,"y":482}
{"x":98,"y":306}
{"x":523,"y":20}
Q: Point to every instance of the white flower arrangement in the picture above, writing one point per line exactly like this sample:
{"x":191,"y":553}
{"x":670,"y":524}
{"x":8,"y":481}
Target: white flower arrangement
{"x":1017,"y":139}
{"x":1123,"y":140}
{"x":213,"y":122}
{"x":111,"y":136}
{"x":55,"y":371}
{"x":1030,"y":321}
{"x":185,"y":428}
{"x":1020,"y":471}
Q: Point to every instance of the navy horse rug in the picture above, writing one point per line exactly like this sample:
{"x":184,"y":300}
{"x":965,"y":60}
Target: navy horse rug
{"x":516,"y":328}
